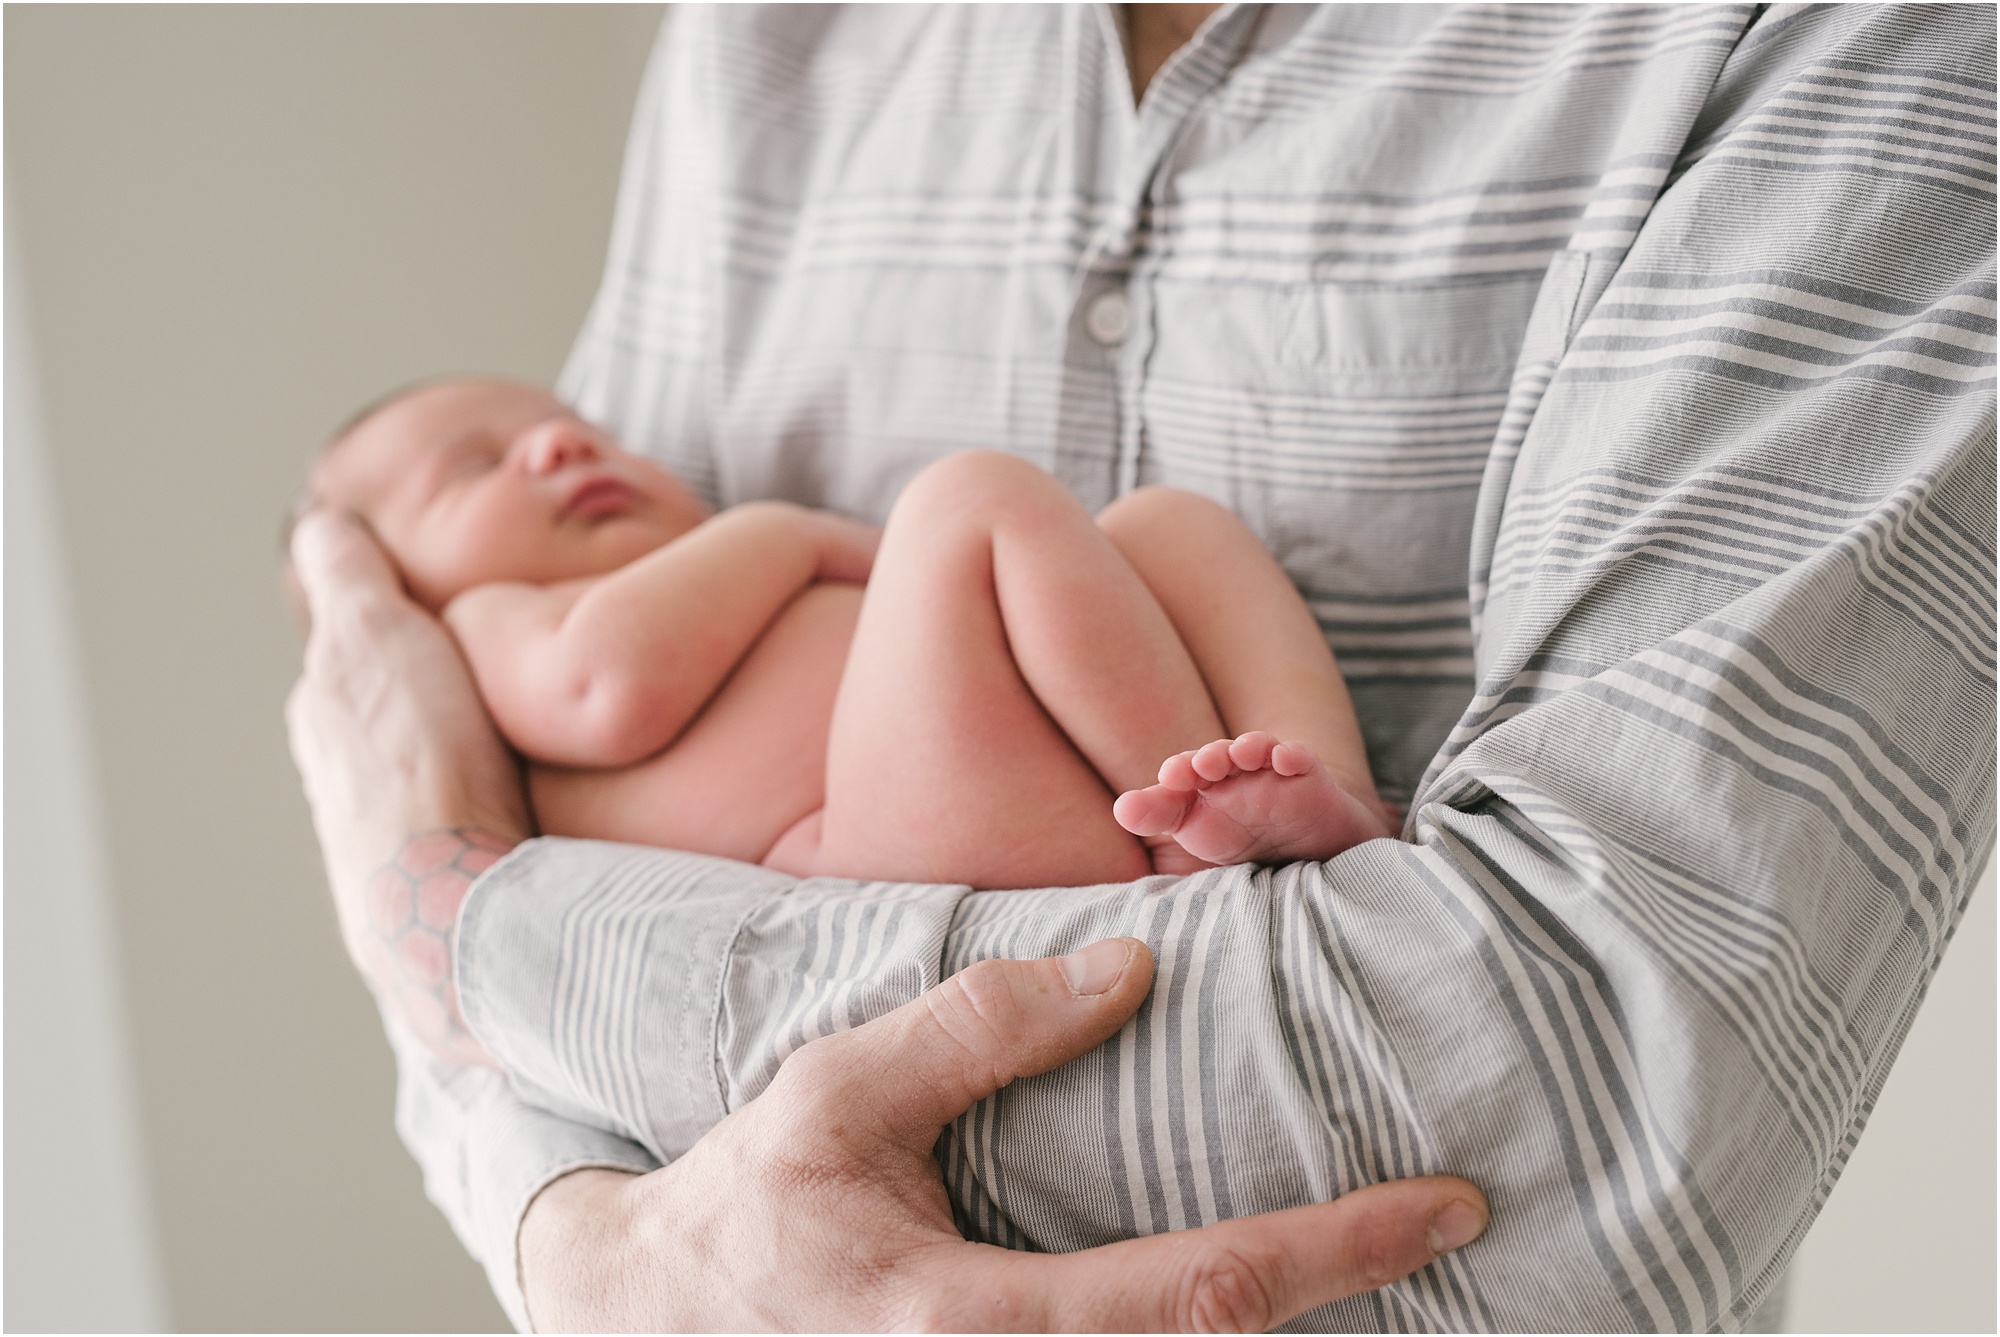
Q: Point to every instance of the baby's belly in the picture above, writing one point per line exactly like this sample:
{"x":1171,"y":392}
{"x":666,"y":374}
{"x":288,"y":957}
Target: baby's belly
{"x":749,"y":767}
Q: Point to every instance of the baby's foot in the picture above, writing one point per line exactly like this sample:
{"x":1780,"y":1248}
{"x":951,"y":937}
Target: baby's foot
{"x":1250,"y":799}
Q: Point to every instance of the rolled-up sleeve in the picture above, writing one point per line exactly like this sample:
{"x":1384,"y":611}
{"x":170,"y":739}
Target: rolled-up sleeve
{"x":693,"y":943}
{"x":688,"y":940}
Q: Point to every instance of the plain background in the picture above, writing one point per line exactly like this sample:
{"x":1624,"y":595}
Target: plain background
{"x":236,"y":224}
{"x":226,"y":228}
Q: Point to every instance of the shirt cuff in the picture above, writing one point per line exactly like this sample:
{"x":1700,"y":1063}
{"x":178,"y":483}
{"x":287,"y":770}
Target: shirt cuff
{"x":549,"y":928}
{"x":486,"y":1153}
{"x":625,"y":992}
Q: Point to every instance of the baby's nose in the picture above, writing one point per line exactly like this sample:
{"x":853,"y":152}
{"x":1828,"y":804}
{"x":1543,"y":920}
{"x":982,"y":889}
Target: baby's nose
{"x":550,"y":446}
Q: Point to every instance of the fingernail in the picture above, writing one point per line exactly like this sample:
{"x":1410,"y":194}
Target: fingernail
{"x":1456,"y":1226}
{"x":1097,"y":967}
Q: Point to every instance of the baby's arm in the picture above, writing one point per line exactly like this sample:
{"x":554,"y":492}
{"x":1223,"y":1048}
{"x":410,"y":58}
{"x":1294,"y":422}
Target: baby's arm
{"x":606,"y":671}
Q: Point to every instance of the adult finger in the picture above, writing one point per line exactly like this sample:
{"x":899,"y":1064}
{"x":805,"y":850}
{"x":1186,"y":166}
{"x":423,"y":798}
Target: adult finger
{"x":332,"y":552}
{"x":1254,"y":1272}
{"x":913,"y":1070}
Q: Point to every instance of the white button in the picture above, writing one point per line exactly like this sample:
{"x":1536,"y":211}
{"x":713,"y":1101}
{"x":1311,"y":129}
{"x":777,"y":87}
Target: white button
{"x":1108,"y":318}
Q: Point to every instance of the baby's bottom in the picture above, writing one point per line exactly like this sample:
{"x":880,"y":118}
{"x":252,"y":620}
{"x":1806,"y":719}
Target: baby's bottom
{"x":1017,"y":664}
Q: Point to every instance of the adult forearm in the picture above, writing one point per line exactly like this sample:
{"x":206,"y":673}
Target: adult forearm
{"x":408,"y":933}
{"x":412,"y":792}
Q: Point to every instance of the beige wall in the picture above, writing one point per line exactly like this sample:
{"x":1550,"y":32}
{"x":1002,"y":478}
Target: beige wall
{"x":235,"y":224}
{"x":1906,"y":1242}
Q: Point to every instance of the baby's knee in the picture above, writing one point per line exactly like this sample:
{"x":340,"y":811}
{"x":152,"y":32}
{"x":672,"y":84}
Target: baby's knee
{"x":1160,"y":509}
{"x":966,"y":483}
{"x":979,"y":471}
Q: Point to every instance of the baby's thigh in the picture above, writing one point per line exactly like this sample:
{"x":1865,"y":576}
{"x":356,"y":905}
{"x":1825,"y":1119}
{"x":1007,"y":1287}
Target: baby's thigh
{"x":943,"y":764}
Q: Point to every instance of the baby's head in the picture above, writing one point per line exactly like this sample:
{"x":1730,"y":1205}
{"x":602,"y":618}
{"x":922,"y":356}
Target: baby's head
{"x":469,"y":481}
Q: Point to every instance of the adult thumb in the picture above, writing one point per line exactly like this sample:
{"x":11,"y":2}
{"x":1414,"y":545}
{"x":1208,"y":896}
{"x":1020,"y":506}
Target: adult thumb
{"x":921,"y":1066}
{"x":331,"y":550}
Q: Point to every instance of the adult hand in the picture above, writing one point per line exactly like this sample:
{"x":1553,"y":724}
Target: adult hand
{"x":818,"y":1206}
{"x":413,"y":793}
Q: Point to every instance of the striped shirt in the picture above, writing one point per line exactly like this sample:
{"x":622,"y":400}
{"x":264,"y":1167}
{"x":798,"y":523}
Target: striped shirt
{"x":1616,"y":383}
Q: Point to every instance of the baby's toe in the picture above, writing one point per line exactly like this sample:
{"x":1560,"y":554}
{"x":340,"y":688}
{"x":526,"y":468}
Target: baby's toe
{"x":1293,"y":759}
{"x":1177,"y":772}
{"x":1252,"y":751}
{"x":1212,"y":763}
{"x":1150,"y":812}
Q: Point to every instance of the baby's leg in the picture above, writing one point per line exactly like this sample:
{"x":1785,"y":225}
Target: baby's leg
{"x":1268,"y":669}
{"x":1010,"y":673}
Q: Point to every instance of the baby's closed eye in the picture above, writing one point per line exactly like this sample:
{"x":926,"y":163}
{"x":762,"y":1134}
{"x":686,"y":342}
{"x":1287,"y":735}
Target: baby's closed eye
{"x":464,"y":460}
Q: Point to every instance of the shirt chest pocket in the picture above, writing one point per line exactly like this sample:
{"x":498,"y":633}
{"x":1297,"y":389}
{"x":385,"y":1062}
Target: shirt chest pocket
{"x":1348,"y":423}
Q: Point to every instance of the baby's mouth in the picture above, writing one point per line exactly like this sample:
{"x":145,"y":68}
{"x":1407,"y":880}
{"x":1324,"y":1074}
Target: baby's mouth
{"x":595,"y":498}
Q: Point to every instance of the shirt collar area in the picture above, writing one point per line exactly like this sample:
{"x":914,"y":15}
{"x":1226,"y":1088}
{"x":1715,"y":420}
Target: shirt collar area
{"x":1214,"y":47}
{"x":1151,"y":129}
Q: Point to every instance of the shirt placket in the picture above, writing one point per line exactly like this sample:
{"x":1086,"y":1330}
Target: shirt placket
{"x":1111,"y":308}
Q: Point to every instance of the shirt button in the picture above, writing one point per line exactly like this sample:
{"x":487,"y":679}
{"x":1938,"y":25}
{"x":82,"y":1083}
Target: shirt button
{"x":1108,"y":318}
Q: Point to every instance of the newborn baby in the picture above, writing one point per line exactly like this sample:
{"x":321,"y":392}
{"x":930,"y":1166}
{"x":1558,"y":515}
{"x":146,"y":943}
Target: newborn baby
{"x":721,"y":683}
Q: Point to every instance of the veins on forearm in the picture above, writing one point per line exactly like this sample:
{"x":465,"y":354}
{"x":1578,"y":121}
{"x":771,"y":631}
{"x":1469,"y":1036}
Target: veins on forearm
{"x":410,"y":931}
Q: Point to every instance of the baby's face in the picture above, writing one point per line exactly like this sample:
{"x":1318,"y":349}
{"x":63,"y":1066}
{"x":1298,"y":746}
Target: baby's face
{"x":469,"y":482}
